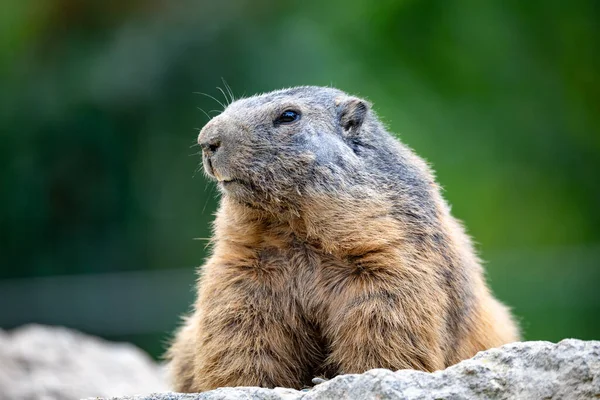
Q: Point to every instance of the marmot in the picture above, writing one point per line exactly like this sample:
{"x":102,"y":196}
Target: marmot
{"x":333,"y":252}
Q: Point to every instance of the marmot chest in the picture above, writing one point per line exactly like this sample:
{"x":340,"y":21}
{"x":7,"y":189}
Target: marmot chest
{"x":309,"y":276}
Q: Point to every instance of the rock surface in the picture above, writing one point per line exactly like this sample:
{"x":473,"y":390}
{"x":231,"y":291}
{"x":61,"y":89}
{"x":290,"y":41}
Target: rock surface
{"x":56,"y":363}
{"x":527,"y":370}
{"x":52,"y":363}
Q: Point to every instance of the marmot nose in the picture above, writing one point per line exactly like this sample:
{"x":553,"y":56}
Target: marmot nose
{"x":210,"y":146}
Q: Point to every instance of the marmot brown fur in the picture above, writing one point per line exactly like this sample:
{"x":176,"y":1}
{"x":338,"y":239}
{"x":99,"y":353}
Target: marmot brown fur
{"x":333,"y":252}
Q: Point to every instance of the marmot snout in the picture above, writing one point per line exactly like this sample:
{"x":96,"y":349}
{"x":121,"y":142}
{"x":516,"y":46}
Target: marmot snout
{"x":333,"y":252}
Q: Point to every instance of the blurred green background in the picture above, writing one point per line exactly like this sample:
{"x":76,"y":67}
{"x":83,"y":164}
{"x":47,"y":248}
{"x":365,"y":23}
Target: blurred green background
{"x":100,"y":204}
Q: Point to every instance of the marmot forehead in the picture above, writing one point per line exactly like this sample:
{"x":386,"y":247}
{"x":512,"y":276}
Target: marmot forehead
{"x":316,"y":95}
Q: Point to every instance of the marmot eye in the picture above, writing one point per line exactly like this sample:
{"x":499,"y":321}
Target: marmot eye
{"x":287,"y":117}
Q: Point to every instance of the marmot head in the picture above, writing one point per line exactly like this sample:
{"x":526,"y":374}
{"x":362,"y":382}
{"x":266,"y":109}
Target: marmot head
{"x":274,"y":150}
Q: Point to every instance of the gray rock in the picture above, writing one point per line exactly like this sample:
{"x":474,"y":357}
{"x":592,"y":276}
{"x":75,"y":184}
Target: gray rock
{"x":526,"y":370}
{"x":56,"y":363}
{"x":52,"y":363}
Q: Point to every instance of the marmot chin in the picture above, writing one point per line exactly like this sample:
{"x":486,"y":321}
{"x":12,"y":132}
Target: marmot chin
{"x":333,"y":252}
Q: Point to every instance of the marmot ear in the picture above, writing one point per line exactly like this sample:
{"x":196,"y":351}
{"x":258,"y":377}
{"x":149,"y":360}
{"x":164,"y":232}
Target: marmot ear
{"x":352,"y":112}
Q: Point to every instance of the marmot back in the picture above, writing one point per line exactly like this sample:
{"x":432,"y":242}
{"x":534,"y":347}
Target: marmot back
{"x":333,"y":252}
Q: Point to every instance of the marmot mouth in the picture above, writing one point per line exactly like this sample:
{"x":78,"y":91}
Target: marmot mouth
{"x":226,"y":182}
